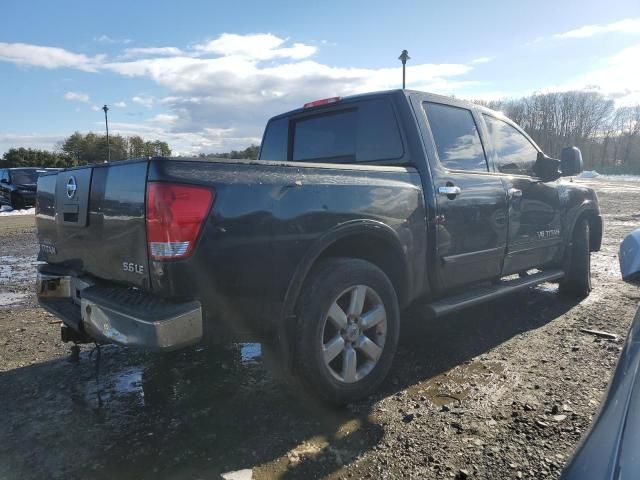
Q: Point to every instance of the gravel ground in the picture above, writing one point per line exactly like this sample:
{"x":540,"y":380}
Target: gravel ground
{"x":505,"y":390}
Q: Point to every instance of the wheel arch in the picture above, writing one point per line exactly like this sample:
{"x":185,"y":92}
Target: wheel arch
{"x":589,"y":211}
{"x":368,"y":240}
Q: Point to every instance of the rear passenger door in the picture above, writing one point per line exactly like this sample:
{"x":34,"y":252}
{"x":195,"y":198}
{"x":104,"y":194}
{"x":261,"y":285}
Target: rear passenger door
{"x":535,"y":211}
{"x":471,"y":202}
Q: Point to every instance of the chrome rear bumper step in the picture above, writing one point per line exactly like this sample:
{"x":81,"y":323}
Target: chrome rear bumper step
{"x":120,"y":315}
{"x":481,"y":295}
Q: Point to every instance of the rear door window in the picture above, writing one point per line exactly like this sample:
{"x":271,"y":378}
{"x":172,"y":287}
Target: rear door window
{"x":456,"y":137}
{"x":366,"y":132}
{"x":516,"y":155}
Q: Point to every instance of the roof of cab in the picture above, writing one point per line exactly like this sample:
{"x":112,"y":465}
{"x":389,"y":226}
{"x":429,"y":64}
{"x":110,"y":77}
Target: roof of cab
{"x":405,"y":92}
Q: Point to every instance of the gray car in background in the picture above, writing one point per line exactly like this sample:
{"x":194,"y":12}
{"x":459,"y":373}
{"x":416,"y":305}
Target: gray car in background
{"x":611,"y":450}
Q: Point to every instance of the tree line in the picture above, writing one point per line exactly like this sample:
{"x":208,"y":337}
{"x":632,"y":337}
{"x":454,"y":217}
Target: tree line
{"x":608,"y":137}
{"x":81,"y":149}
{"x":250,"y":153}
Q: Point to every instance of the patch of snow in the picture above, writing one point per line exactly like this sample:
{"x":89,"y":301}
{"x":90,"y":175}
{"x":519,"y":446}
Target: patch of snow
{"x":622,"y":178}
{"x":6,"y":211}
{"x":17,"y":269}
{"x":7,"y":299}
{"x":589,"y":174}
{"x":245,"y":474}
{"x":250,"y":352}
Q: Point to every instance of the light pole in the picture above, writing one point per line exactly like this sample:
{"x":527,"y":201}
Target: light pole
{"x":106,"y":124}
{"x":404,"y":56}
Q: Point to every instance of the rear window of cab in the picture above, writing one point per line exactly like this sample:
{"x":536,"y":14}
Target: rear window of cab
{"x":365,"y":131}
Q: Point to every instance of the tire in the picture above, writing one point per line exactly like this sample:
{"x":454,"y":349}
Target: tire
{"x":346,"y":292}
{"x":15,"y":202}
{"x":577,"y":280}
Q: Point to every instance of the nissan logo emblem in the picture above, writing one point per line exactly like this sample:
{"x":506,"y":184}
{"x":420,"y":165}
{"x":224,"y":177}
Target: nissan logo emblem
{"x":72,"y":186}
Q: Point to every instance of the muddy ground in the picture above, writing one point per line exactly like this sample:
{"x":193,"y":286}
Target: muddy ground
{"x":504,"y":390}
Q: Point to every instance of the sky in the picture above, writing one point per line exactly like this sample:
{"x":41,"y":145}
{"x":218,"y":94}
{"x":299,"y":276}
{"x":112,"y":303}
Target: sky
{"x":205,"y":76}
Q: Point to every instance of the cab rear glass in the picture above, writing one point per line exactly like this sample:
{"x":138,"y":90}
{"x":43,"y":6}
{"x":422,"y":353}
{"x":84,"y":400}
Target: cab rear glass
{"x":366,"y":131}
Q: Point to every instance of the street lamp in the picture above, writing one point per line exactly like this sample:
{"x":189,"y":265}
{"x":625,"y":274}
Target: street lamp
{"x":404,"y":56}
{"x":106,"y":124}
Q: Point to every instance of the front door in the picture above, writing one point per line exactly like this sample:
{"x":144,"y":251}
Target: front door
{"x":535,"y":235}
{"x":471,"y":203}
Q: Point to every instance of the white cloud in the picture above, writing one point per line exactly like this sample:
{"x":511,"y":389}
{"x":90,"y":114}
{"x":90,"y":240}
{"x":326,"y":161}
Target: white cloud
{"x":481,"y":60}
{"x":47,"y":57}
{"x":616,"y":77}
{"x":220,"y":93}
{"x":262,"y":46}
{"x":145,"y":101}
{"x":108,"y":39}
{"x":151,"y":51}
{"x":165,"y":119}
{"x":77,"y":97}
{"x":95,"y":108}
{"x":48,"y":142}
{"x":120,"y":104}
{"x":628,"y":25}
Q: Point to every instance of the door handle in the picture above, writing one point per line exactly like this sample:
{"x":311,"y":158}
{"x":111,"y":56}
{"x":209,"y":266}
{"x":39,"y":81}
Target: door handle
{"x":449,"y":191}
{"x":514,"y":193}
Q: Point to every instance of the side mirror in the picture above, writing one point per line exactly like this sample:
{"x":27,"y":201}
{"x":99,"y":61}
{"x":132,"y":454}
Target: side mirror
{"x":546,"y":168}
{"x":571,"y":161}
{"x":4,"y":180}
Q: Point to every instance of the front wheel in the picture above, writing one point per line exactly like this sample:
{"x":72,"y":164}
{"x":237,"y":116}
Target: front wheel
{"x":577,"y":278}
{"x":347,"y":329}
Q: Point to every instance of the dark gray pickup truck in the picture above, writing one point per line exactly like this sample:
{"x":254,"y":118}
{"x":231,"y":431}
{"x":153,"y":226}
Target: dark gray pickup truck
{"x":356,"y":208}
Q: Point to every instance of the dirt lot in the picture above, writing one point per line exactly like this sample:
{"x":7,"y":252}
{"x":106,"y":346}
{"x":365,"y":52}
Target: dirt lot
{"x":504,"y":390}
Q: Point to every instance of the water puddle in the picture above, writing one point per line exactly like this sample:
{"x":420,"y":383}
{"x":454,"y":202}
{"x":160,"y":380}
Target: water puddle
{"x":459,"y":383}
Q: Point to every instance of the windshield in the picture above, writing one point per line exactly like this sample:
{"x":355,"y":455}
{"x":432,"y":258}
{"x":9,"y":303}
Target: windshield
{"x":24,"y":177}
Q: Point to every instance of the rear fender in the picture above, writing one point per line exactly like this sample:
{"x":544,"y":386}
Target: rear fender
{"x":347,"y":229}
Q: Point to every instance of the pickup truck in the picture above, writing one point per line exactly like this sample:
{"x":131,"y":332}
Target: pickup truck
{"x":18,"y":186}
{"x":356,"y":208}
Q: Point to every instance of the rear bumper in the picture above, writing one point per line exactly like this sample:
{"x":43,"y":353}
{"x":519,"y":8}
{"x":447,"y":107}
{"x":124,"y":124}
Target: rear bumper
{"x":120,"y":315}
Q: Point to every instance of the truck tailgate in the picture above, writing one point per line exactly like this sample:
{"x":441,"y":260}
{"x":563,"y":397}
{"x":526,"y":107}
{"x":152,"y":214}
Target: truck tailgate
{"x":92,"y":220}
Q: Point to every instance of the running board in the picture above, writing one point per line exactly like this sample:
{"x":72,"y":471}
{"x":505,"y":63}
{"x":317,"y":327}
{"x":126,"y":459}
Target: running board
{"x":480,"y":295}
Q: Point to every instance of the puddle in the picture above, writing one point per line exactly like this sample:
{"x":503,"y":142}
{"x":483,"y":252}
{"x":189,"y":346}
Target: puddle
{"x":250,"y":352}
{"x":460,"y":382}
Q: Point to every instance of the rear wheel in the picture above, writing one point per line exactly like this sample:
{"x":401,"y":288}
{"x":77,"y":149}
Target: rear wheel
{"x":577,"y":280}
{"x":347,"y":329}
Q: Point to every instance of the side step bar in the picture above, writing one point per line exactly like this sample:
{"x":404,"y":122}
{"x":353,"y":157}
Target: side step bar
{"x":464,"y":300}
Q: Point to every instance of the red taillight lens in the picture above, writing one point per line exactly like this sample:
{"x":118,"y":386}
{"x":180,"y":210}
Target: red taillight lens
{"x":324,"y":101}
{"x":175,"y":214}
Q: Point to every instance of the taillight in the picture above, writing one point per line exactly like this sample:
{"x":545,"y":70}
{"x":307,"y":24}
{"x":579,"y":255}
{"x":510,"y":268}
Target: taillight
{"x":175,"y":214}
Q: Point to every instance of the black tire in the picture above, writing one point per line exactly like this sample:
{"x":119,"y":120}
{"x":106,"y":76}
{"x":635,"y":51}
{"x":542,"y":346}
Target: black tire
{"x":577,"y":280}
{"x":327,"y":284}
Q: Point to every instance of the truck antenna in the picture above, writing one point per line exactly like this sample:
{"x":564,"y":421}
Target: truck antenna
{"x":404,"y":56}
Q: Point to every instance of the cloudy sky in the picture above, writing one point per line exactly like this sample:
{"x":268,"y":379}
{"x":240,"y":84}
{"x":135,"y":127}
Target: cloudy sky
{"x":205,"y":76}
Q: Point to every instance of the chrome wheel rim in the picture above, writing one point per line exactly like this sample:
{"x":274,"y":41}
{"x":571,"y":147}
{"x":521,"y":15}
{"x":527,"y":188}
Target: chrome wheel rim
{"x":354,"y":333}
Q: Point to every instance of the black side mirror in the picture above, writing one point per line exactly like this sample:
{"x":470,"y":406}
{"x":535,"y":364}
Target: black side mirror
{"x":4,"y":180}
{"x":571,"y":161}
{"x":546,"y":168}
